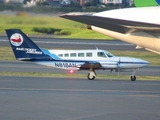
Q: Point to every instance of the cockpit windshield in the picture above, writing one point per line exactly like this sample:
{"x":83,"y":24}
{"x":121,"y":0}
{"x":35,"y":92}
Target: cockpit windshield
{"x":109,"y":54}
{"x":101,"y":54}
{"x":104,"y":54}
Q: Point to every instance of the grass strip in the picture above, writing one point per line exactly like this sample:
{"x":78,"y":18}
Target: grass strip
{"x":100,"y":76}
{"x":29,"y":23}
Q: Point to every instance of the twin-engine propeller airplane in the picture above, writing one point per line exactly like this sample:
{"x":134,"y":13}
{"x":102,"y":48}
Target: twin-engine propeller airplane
{"x":26,"y":50}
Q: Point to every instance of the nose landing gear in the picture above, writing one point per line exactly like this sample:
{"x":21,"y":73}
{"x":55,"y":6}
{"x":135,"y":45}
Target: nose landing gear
{"x":133,"y":77}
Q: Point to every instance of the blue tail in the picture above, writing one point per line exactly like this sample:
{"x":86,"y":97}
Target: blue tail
{"x":24,"y":48}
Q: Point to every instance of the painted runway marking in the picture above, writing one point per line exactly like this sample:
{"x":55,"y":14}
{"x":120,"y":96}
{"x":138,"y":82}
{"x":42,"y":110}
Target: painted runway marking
{"x":77,"y":43}
{"x":111,"y":92}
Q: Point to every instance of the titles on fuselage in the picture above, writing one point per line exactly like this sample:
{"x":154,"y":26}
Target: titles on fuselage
{"x":65,"y":64}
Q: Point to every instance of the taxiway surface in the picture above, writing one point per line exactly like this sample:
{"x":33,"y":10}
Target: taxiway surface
{"x":19,"y":66}
{"x":43,"y":98}
{"x":58,"y":43}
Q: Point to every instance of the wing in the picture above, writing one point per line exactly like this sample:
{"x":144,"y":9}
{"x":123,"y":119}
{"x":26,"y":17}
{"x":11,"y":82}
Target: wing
{"x":117,"y":25}
{"x":90,"y":65}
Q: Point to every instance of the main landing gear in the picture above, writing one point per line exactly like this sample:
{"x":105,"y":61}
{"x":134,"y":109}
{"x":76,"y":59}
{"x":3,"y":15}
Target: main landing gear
{"x":133,"y":77}
{"x":91,"y":75}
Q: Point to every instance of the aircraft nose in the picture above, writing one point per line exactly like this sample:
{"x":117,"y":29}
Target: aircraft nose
{"x":133,"y":62}
{"x":143,"y":62}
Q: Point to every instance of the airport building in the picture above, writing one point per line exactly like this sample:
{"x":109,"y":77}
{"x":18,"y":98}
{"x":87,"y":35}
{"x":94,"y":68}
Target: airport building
{"x":13,"y":1}
{"x":111,"y":1}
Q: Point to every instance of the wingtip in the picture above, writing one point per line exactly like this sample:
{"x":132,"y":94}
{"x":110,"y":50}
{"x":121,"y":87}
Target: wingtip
{"x":76,"y":14}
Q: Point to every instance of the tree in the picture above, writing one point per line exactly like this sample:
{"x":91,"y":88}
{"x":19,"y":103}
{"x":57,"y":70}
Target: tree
{"x":25,"y":1}
{"x":94,"y":2}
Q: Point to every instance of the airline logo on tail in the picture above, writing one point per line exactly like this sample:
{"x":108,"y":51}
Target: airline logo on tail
{"x":16,"y":39}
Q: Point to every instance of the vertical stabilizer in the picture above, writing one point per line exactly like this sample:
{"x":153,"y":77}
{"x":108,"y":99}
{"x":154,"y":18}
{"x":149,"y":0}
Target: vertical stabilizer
{"x":23,"y":47}
{"x":146,"y":3}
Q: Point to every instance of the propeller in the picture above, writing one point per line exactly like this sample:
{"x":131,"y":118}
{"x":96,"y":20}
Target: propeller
{"x":118,"y":64}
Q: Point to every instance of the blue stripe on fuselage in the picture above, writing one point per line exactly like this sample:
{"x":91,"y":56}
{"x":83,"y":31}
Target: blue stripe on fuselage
{"x":52,"y":55}
{"x":133,"y":63}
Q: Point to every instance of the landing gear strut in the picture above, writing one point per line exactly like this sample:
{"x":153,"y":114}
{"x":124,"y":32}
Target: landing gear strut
{"x":133,"y":77}
{"x":91,"y":75}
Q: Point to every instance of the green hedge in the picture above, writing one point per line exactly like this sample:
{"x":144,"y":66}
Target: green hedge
{"x":65,"y":32}
{"x":45,"y":30}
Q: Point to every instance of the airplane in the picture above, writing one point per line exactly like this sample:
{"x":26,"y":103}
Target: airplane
{"x":137,"y":25}
{"x":26,"y":50}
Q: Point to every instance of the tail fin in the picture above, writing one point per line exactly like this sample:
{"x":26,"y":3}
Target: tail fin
{"x":146,"y":3}
{"x":23,"y":47}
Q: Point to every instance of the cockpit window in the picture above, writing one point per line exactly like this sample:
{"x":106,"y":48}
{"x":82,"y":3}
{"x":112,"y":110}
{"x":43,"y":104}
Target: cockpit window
{"x":109,"y":54}
{"x":101,"y":54}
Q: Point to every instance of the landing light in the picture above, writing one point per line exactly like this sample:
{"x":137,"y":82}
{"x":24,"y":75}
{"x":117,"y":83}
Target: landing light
{"x":71,"y":71}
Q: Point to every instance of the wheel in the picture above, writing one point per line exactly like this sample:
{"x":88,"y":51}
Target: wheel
{"x":133,"y":78}
{"x":90,"y":77}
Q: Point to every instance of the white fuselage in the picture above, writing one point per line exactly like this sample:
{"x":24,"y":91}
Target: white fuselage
{"x":142,"y":14}
{"x":73,"y":59}
{"x":150,"y":41}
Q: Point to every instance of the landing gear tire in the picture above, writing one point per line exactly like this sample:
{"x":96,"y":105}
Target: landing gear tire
{"x":90,"y":77}
{"x":133,"y":78}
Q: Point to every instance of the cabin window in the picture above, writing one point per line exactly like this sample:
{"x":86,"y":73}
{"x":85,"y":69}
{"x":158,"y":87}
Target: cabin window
{"x":72,"y":54}
{"x":66,"y":55}
{"x":80,"y":54}
{"x":60,"y":55}
{"x":88,"y":54}
{"x":101,"y":54}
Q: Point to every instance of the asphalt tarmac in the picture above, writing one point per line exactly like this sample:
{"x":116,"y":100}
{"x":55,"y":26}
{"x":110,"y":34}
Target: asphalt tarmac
{"x":19,"y":66}
{"x":44,"y":98}
{"x":49,"y":98}
{"x":58,"y":43}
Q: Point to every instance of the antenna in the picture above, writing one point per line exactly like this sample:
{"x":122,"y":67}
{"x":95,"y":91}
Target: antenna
{"x":96,"y":47}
